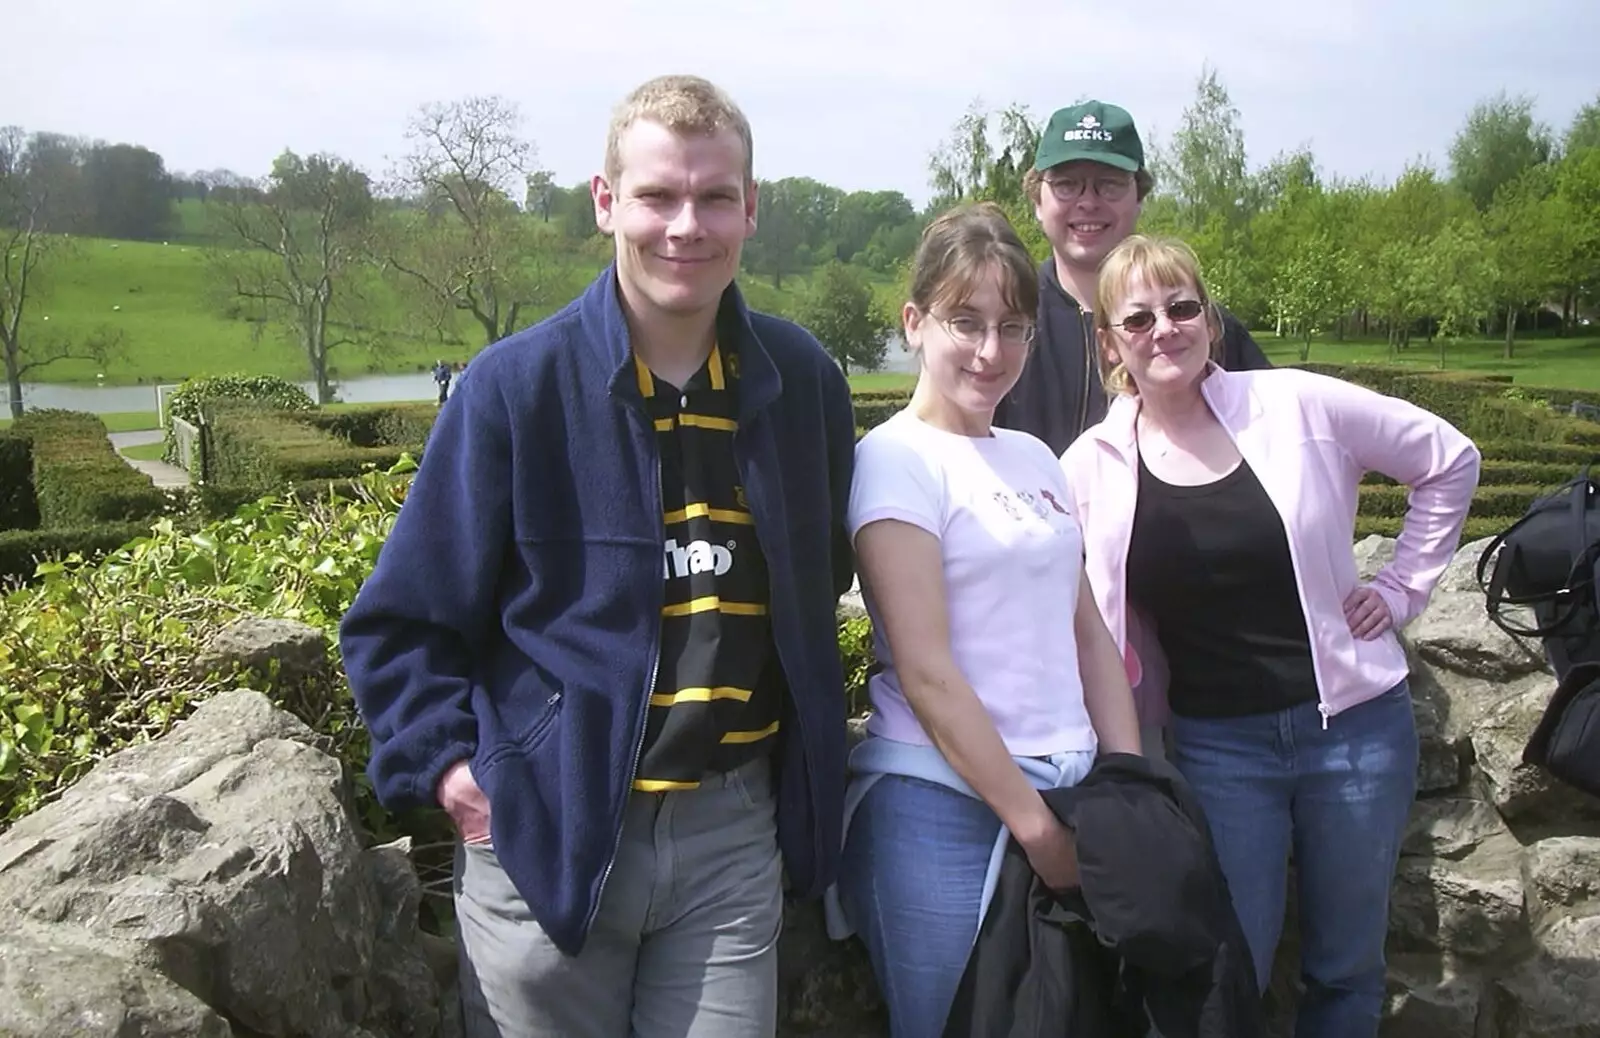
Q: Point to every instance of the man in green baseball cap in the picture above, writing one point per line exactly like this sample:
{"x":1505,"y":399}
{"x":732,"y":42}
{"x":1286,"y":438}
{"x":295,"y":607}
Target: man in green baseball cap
{"x":1087,"y":185}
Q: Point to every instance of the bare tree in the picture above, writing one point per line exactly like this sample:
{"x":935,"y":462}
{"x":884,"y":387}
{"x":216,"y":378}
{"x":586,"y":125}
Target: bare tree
{"x":25,"y":248}
{"x":467,"y":244}
{"x":293,"y":251}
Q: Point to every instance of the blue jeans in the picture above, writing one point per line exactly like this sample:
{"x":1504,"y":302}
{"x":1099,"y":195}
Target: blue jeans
{"x":1339,"y":798}
{"x":912,"y":882}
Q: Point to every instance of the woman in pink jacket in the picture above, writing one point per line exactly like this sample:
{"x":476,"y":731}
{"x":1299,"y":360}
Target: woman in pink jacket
{"x":1218,"y":511}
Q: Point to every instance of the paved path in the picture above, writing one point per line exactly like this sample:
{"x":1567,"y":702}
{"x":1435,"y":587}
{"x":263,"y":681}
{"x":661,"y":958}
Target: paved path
{"x":160,"y":473}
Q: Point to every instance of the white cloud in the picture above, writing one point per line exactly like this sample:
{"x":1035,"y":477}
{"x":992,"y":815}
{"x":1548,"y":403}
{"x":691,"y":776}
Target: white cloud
{"x":851,"y":93}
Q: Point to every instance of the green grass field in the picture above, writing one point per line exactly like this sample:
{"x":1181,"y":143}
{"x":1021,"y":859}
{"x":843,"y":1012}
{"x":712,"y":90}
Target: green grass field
{"x":1546,"y":360}
{"x":162,"y":300}
{"x":145,"y":452}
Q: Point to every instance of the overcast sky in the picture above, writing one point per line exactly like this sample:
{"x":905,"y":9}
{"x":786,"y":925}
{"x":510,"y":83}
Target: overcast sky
{"x":852,"y":92}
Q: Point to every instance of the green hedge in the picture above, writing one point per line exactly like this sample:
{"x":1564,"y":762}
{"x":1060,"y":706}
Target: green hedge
{"x":192,"y":396}
{"x":22,"y":550}
{"x":19,"y":510}
{"x":256,"y":449}
{"x":1490,"y":502}
{"x":78,"y":479}
{"x":380,"y":425}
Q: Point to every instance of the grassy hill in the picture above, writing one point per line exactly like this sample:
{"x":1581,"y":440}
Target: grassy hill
{"x":176,"y":323}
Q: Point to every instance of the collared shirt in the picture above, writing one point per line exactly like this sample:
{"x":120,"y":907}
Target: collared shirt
{"x":714,"y":706}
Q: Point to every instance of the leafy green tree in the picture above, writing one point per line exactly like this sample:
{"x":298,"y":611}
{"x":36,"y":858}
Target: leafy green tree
{"x":1458,"y":274}
{"x":294,"y":255}
{"x":130,"y":192}
{"x":1578,"y":212}
{"x":26,"y":254}
{"x":1585,"y":129}
{"x":1203,"y":167}
{"x":1499,"y":140}
{"x":839,"y":308}
{"x":1525,"y":228}
{"x":1312,"y":289}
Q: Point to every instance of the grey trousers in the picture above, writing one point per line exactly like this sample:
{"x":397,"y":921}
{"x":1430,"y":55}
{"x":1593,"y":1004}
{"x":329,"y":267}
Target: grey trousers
{"x":685,"y":944}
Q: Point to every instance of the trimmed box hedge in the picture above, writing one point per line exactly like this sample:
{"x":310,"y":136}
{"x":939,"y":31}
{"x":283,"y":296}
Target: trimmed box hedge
{"x":78,"y":479}
{"x":18,"y":508}
{"x":21,"y":551}
{"x":380,"y":425}
{"x":255,"y":448}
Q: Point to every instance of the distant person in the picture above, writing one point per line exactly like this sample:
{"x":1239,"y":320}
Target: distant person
{"x":602,"y":634}
{"x":1222,"y":505}
{"x":999,"y":677}
{"x":442,"y":374}
{"x":1088,"y":184}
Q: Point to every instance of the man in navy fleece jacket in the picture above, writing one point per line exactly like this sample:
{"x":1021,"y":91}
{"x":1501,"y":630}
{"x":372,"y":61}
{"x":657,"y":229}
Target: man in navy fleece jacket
{"x":602,"y":634}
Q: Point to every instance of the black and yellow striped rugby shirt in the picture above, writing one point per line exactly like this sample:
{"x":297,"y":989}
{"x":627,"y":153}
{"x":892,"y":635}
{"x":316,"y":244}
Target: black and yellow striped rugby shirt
{"x":714,"y":705}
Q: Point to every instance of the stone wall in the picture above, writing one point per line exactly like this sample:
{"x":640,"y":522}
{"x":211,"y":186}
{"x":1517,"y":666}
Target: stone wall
{"x":213,"y":882}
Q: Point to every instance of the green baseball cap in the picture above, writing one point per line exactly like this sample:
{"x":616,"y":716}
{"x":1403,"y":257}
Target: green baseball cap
{"x":1095,"y":131}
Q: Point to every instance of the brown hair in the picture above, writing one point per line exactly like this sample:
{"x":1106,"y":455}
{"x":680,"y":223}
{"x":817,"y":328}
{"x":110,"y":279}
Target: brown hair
{"x":685,"y":105}
{"x":960,"y":247}
{"x":1159,"y":261}
{"x":1033,"y":183}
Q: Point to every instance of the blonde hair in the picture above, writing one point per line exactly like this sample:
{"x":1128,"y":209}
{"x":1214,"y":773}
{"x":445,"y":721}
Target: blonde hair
{"x":1159,"y":261}
{"x":686,"y":105}
{"x":960,"y":248}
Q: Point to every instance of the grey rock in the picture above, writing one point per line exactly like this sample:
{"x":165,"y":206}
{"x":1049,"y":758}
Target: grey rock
{"x":1450,"y":827}
{"x":1562,"y":872}
{"x":1373,"y":552}
{"x":61,"y":982}
{"x":1556,"y":992}
{"x":1425,"y":1001}
{"x":284,"y":650}
{"x":224,"y":858}
{"x":1470,"y":908}
{"x":1523,"y":792}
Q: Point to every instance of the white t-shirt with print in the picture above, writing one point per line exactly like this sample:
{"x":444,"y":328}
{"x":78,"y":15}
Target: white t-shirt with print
{"x":1013,"y":556}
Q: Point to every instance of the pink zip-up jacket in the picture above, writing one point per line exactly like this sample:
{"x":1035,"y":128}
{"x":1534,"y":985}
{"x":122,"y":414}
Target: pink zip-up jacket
{"x":1309,"y":439}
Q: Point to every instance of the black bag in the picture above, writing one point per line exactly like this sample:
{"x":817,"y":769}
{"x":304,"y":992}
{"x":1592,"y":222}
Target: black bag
{"x":1567,"y":741}
{"x":1550,"y":560}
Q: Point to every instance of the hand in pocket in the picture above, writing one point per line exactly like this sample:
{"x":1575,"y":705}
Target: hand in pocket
{"x":465,"y":803}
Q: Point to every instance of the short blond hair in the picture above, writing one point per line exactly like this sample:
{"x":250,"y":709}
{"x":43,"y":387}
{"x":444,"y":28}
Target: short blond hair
{"x":1159,"y":261}
{"x":686,"y":105}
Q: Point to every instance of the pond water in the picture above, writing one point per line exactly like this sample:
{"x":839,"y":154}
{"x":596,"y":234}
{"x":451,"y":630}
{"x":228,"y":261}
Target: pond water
{"x":365,"y":389}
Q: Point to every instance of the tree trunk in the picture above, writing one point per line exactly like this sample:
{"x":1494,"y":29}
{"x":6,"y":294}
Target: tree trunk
{"x":1568,"y":311}
{"x":1280,"y":326}
{"x":14,"y":384}
{"x":1305,"y":345}
{"x":1511,"y":331}
{"x":1441,"y":354}
{"x":316,"y":338}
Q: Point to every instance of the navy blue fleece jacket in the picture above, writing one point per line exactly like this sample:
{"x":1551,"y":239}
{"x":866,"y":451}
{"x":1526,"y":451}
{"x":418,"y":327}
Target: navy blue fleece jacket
{"x":513,"y":617}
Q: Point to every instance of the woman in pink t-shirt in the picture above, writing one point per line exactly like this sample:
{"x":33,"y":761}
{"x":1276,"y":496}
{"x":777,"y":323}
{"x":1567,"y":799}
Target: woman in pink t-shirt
{"x":1218,"y":510}
{"x":999,"y":676}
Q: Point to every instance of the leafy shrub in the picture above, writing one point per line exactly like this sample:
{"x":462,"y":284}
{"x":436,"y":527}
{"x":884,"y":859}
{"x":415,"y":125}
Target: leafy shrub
{"x":859,"y":657}
{"x":97,"y":656}
{"x":78,"y":479}
{"x":18,"y":508}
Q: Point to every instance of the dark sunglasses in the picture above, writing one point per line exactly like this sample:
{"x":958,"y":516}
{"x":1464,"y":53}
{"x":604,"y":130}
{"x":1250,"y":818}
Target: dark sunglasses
{"x":1177,"y":311}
